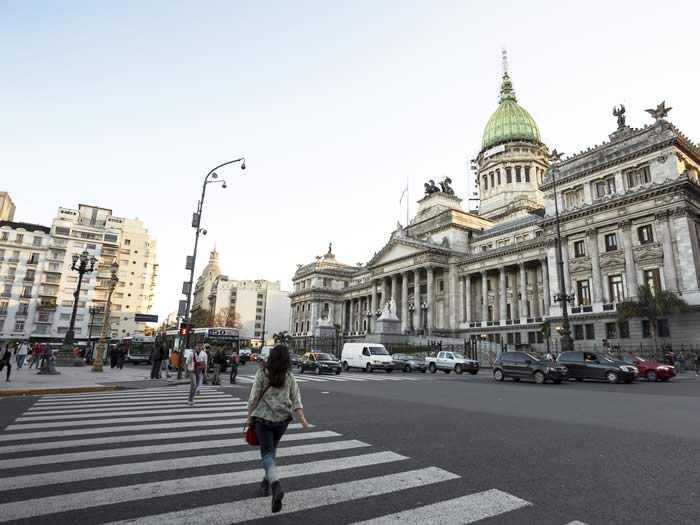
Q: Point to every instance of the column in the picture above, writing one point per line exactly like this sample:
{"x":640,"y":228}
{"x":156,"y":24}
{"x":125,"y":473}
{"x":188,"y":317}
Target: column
{"x":523,"y":293}
{"x":394,"y":289}
{"x":416,"y":299}
{"x":670,"y":274}
{"x":468,"y":298}
{"x":385,"y":294}
{"x":535,"y":303}
{"x":630,"y":269}
{"x":373,"y":306}
{"x":431,"y":299}
{"x":453,"y":303}
{"x":502,"y":293}
{"x":545,"y":286}
{"x":404,"y":302}
{"x":597,"y":284}
{"x":484,"y":298}
{"x":565,"y":259}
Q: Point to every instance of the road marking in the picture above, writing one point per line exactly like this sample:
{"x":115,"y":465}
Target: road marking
{"x":41,"y":434}
{"x":148,"y":438}
{"x":576,"y":523}
{"x":179,"y":410}
{"x":251,"y":509}
{"x":133,"y":409}
{"x":152,"y":399}
{"x":44,"y":505}
{"x":132,"y":405}
{"x":130,"y":469}
{"x":145,"y":419}
{"x":122,"y":394}
{"x":142,"y":450}
{"x":458,"y":511}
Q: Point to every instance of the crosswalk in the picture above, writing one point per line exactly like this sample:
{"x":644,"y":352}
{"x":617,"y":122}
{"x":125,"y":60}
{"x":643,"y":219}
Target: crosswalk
{"x":145,"y":457}
{"x":345,"y":377}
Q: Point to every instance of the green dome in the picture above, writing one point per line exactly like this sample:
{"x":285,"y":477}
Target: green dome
{"x":510,"y":121}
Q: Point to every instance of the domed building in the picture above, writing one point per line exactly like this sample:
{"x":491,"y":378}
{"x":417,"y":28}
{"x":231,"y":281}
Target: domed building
{"x":512,"y":160}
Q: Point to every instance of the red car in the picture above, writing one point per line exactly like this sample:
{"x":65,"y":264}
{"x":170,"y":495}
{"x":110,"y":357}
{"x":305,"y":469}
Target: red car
{"x":650,"y":370}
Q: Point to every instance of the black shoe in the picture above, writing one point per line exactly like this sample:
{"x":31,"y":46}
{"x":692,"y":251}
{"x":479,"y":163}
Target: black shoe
{"x":277,"y":495}
{"x":264,"y":488}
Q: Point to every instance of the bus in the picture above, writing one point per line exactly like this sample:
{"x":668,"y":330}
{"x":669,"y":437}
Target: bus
{"x":226,"y":338}
{"x":138,"y":348}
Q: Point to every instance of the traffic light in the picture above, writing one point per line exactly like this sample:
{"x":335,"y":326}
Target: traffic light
{"x":184,"y":329}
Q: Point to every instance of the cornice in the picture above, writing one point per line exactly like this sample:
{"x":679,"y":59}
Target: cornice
{"x":501,"y":252}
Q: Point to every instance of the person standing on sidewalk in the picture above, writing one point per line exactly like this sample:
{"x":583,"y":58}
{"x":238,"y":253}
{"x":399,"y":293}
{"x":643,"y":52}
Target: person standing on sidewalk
{"x":36,"y":355}
{"x":164,"y":363}
{"x":274,"y":400}
{"x":196,"y":368}
{"x":234,"y":367}
{"x":22,"y":352}
{"x":155,"y":361}
{"x":219,"y":361}
{"x":6,"y":361}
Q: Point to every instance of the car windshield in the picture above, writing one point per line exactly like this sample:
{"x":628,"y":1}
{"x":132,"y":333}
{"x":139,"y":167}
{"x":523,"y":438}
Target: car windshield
{"x":378,"y":350}
{"x":458,"y":356}
{"x":534,"y":357}
{"x":325,"y":357}
{"x":398,"y":356}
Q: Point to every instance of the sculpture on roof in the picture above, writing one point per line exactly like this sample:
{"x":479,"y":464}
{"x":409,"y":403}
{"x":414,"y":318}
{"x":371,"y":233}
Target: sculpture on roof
{"x":660,"y":112}
{"x":430,"y":187}
{"x":445,"y":186}
{"x":620,"y":114}
{"x":555,"y":156}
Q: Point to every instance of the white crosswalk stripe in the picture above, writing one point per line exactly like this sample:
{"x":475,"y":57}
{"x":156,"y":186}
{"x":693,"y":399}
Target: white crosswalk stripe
{"x":139,"y":448}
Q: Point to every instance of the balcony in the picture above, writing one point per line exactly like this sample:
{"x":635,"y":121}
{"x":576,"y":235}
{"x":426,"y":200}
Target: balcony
{"x":5,"y":294}
{"x":48,"y":293}
{"x":32,"y":262}
{"x":57,"y":257}
{"x":13,"y":260}
{"x":609,"y":307}
{"x":21,"y":314}
{"x":28,"y":279}
{"x":25,"y":296}
{"x":49,"y":279}
{"x":9,"y":278}
{"x":46,"y":305}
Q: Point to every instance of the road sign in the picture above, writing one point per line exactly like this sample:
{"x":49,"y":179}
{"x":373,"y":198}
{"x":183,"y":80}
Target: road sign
{"x":145,"y":318}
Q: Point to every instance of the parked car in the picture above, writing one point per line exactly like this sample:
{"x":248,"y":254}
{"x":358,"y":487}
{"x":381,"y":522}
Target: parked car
{"x":319,"y":363}
{"x":650,"y":370}
{"x":408,"y":363}
{"x":244,"y":355}
{"x":449,"y":361}
{"x":526,"y":365}
{"x":366,"y":356}
{"x":296,"y":359}
{"x":592,"y":365}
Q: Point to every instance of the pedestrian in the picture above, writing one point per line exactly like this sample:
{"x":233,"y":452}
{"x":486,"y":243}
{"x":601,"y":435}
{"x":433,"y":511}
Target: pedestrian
{"x":155,"y":361}
{"x":21,"y":353}
{"x":235,"y":359}
{"x":207,"y":352}
{"x":162,"y":358}
{"x":113,"y":356}
{"x":219,"y":363}
{"x":122,"y":356}
{"x":46,"y":355}
{"x":36,"y":356}
{"x":697,"y":363}
{"x":274,"y":400}
{"x":164,"y":368}
{"x":6,"y":361}
{"x":196,"y":368}
{"x":549,"y":356}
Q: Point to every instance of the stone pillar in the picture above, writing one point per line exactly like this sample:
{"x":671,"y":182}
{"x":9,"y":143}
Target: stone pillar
{"x":670,"y":274}
{"x":502,"y":293}
{"x":431,"y":298}
{"x":373,"y":306}
{"x":546,"y":296}
{"x":523,"y":293}
{"x":404,"y":302}
{"x":394,"y":288}
{"x":630,"y":269}
{"x":565,"y":259}
{"x":484,"y":298}
{"x":453,"y":303}
{"x":416,"y":299}
{"x":468,"y":299}
{"x":597,"y":284}
{"x":314,"y":316}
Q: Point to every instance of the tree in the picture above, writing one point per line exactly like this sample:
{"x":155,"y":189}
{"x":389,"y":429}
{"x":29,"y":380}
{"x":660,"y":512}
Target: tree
{"x":546,"y":329}
{"x":201,"y":318}
{"x":282,"y":338}
{"x":650,"y":305}
{"x":228,"y":317}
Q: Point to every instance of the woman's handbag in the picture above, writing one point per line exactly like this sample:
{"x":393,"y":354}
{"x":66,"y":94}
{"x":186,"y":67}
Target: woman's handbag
{"x":251,"y":436}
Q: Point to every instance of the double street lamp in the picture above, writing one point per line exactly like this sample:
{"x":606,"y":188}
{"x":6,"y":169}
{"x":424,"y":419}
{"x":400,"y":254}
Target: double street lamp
{"x":106,"y":324}
{"x":82,"y":263}
{"x":196,"y":224}
{"x":424,"y":315}
{"x":411,"y":309}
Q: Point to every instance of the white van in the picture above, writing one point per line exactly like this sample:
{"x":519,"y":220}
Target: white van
{"x":265,"y":352}
{"x":366,"y":356}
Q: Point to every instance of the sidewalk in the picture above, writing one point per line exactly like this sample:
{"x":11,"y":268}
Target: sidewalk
{"x":75,"y":379}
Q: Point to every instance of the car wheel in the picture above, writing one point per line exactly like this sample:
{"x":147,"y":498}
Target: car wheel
{"x":539,"y":378}
{"x":473,"y":372}
{"x":651,"y":375}
{"x":458,"y":369}
{"x":498,"y":375}
{"x":318,"y":370}
{"x":579,"y":379}
{"x":407,"y":368}
{"x":337,"y":372}
{"x":368,"y":368}
{"x":611,"y":376}
{"x":345,"y":366}
{"x":432,"y":368}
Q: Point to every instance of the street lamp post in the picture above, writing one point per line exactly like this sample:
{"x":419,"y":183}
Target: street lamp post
{"x":106,"y":325}
{"x":368,"y":314}
{"x":92,"y":311}
{"x":424,"y":315}
{"x":411,"y":309}
{"x":196,"y":224}
{"x":83,"y":263}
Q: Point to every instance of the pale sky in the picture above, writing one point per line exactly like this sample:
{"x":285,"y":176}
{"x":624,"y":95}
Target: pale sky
{"x":127,"y":105}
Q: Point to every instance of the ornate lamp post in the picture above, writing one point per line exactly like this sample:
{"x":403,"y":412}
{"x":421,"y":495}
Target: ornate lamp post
{"x":368,"y":313}
{"x":106,"y":324}
{"x":196,"y":224}
{"x":92,"y":311}
{"x":83,"y":263}
{"x":424,"y":315}
{"x":411,"y":309}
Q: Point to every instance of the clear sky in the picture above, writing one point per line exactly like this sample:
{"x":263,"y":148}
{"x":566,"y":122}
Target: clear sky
{"x":128,"y":105}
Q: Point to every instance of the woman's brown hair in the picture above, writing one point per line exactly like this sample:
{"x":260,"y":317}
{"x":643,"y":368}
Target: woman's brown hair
{"x":278,"y":365}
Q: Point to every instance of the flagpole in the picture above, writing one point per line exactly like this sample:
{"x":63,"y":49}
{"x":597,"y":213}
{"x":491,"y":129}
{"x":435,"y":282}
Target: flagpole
{"x":407,"y":201}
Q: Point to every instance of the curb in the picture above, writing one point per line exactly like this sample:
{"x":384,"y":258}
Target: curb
{"x":45,"y":391}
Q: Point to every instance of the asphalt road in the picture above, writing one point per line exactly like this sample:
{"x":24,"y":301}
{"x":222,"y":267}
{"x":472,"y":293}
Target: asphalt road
{"x":441,"y":448}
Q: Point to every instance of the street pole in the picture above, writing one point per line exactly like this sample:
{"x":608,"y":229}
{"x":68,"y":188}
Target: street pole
{"x":563,"y":297}
{"x":92,"y":310}
{"x":82,"y":268}
{"x":113,"y":281}
{"x":197,"y":225}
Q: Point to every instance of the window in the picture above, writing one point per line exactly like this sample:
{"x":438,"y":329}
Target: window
{"x":127,"y":242}
{"x":19,"y":326}
{"x":441,"y":285}
{"x":579,"y":249}
{"x":611,"y":242}
{"x":517,"y":174}
{"x":527,"y":173}
{"x":531,"y":338}
{"x":26,"y":291}
{"x":110,"y":237}
{"x":652,"y":279}
{"x":578,"y":332}
{"x":662,"y":328}
{"x":492,"y":179}
{"x":624,"y":330}
{"x":573,"y":197}
{"x":23,"y":309}
{"x":509,"y":175}
{"x":590,"y":331}
{"x":36,"y":241}
{"x":498,"y":176}
{"x":584,"y":293}
{"x":646,"y":329}
{"x":19,"y":238}
{"x":617,"y":293}
{"x":611,"y":330}
{"x":604,"y":187}
{"x":486,"y":182}
{"x":488,"y":285}
{"x":258,"y":317}
{"x":490,"y":313}
{"x":5,"y":236}
{"x":646,"y":234}
{"x":637,"y":176}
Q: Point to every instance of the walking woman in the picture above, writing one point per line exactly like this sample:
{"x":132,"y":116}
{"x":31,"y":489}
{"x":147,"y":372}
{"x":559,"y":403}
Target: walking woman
{"x":274,"y":399}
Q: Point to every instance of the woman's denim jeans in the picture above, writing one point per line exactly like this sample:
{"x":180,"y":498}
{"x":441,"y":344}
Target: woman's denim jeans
{"x":269,"y":434}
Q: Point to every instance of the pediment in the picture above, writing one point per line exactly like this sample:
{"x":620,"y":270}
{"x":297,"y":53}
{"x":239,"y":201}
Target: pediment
{"x":394,"y":251}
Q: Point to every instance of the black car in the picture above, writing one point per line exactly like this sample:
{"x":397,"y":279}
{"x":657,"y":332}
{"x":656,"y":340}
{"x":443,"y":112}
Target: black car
{"x":408,"y":363}
{"x":319,"y":363}
{"x":524,"y":365}
{"x":295,"y":358}
{"x":592,"y":365}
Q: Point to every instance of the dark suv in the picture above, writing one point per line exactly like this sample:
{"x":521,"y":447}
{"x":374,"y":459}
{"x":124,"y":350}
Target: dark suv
{"x":591,"y":365}
{"x":522,"y":365}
